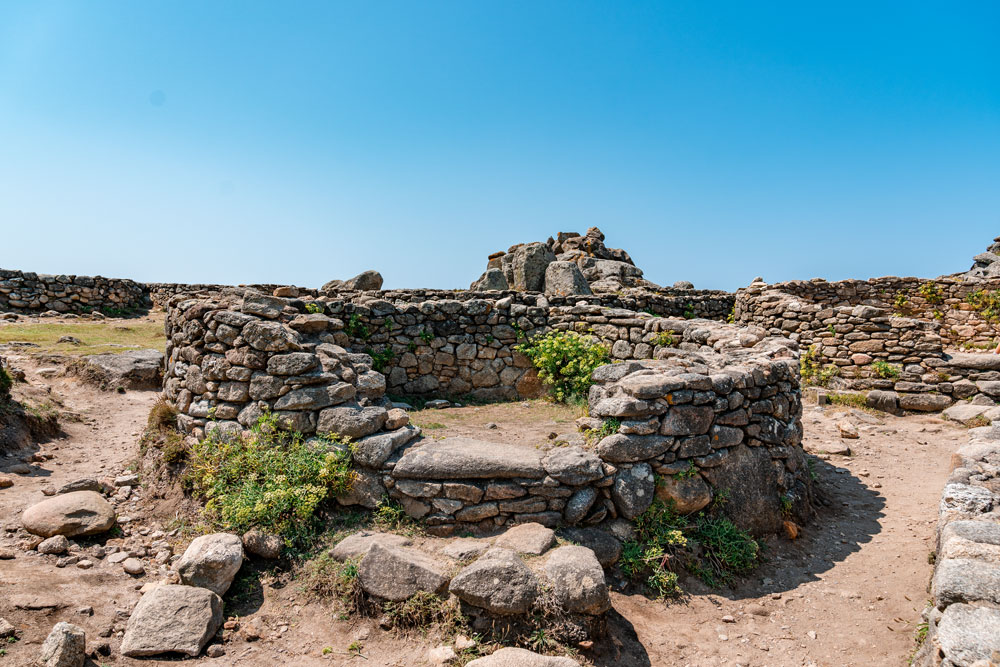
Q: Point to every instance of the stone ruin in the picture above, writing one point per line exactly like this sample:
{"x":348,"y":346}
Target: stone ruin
{"x":569,"y":264}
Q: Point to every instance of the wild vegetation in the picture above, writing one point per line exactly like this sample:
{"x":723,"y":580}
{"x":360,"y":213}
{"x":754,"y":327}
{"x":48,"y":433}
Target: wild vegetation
{"x":565,"y":361}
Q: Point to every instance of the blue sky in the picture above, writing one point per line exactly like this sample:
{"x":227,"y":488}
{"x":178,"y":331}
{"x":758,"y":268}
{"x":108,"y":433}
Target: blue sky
{"x":298,"y":142}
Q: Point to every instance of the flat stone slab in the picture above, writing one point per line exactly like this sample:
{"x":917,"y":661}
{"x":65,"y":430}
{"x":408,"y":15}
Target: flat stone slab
{"x":982,"y":362}
{"x":962,"y":412}
{"x":467,"y":458}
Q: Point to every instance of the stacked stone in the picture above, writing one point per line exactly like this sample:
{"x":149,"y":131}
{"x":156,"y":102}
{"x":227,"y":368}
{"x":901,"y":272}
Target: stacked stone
{"x":964,"y":620}
{"x":474,"y":485}
{"x":229,"y":361}
{"x":23,"y":292}
{"x":960,"y":322}
{"x":724,"y":417}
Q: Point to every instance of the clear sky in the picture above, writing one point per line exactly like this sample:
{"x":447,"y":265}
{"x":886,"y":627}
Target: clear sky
{"x":296,"y":142}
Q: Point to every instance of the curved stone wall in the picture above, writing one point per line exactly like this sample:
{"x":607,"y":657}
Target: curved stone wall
{"x":24,"y":292}
{"x":717,"y":409}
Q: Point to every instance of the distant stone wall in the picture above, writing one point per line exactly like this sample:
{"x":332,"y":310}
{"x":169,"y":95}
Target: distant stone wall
{"x":963,"y":621}
{"x":854,"y":324}
{"x":25,"y":292}
{"x":719,"y":409}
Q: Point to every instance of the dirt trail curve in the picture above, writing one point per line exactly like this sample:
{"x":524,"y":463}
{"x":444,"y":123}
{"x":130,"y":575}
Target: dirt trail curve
{"x":848,"y":592}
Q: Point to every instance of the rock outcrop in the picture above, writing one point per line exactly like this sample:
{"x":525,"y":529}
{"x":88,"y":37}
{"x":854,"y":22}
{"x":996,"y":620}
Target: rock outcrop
{"x":365,"y":281}
{"x":986,"y":264}
{"x":569,"y":264}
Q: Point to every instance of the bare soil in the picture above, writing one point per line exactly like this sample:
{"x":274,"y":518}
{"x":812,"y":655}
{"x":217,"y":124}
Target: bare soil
{"x":849,"y":591}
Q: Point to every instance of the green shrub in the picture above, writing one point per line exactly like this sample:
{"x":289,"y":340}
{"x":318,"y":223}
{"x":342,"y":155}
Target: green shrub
{"x":269,"y":478}
{"x":728,"y":549}
{"x":565,"y":361}
{"x":314,"y":307}
{"x":987,"y":304}
{"x":931,"y":292}
{"x":900,"y":302}
{"x":812,"y":371}
{"x":355,"y":328}
{"x":380,"y":358}
{"x":884,"y":370}
{"x":665,"y":339}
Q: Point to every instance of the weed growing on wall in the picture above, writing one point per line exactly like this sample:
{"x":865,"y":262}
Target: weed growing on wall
{"x":987,"y":304}
{"x":565,"y":361}
{"x":268,"y":478}
{"x":931,"y":292}
{"x":665,"y":339}
{"x":884,"y":370}
{"x":381,"y":357}
{"x":355,"y":328}
{"x":314,"y":307}
{"x":813,"y":372}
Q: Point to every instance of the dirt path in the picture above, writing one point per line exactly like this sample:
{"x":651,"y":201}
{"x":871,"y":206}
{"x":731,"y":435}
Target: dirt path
{"x":848,"y":592}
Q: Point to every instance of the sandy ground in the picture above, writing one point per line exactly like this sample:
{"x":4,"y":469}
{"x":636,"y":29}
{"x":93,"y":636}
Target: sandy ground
{"x":849,"y":591}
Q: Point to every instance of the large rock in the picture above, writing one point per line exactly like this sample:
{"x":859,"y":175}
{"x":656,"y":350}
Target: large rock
{"x":352,"y":420}
{"x":564,"y":279}
{"x":66,"y":646}
{"x":71,"y":514}
{"x":359,"y":543}
{"x":573,"y":465}
{"x":578,"y":580}
{"x":374,"y":450}
{"x":172,"y":619}
{"x":265,"y":545}
{"x":966,"y":634}
{"x":133,"y":369}
{"x":519,"y":657}
{"x":979,"y":362}
{"x":752,"y":482}
{"x":688,"y":494}
{"x":367,"y":280}
{"x":527,"y":538}
{"x":924,"y":402}
{"x":633,"y":490}
{"x":524,"y":267}
{"x":467,"y":458}
{"x":621,"y":448}
{"x":605,"y":546}
{"x":491,"y":280}
{"x":396,"y":574}
{"x":966,"y":580}
{"x":211,"y":561}
{"x":499,"y":582}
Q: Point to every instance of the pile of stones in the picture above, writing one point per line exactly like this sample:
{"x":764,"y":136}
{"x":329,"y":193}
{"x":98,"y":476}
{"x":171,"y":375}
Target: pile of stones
{"x":567,"y":264}
{"x":986,"y":264}
{"x":501,"y":582}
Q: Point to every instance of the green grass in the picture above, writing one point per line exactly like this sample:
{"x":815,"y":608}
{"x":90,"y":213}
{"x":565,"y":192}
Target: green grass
{"x":849,"y":400}
{"x":97,"y":337}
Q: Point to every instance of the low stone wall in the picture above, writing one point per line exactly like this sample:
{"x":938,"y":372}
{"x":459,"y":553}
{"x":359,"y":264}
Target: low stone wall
{"x":717,"y":409}
{"x":24,"y":292}
{"x":963,"y":622}
{"x":847,"y":325}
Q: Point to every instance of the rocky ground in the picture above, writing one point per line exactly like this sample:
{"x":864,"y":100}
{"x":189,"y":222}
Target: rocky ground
{"x":848,"y":591}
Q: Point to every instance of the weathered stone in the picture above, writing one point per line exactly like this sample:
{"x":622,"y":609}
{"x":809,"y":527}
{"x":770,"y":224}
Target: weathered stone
{"x":751,"y":480}
{"x":466,"y":458}
{"x":269,"y":337}
{"x":498,"y":582}
{"x":374,"y":450}
{"x":524,"y":267}
{"x":579,"y":504}
{"x":966,"y":580}
{"x":293,"y":363}
{"x":573,"y":465}
{"x":66,"y":646}
{"x":366,"y":490}
{"x":527,"y":538}
{"x":172,"y":619}
{"x":687,"y":420}
{"x":688,"y":493}
{"x":578,"y":580}
{"x":132,"y":369}
{"x":605,"y":546}
{"x":71,"y":514}
{"x":492,"y":280}
{"x":357,"y":544}
{"x":967,"y":634}
{"x":519,"y":657}
{"x":564,"y":279}
{"x":352,"y":420}
{"x":262,"y":305}
{"x":396,"y":574}
{"x":211,"y":561}
{"x":633,"y":490}
{"x":620,"y":448}
{"x":265,"y":545}
{"x":57,"y":544}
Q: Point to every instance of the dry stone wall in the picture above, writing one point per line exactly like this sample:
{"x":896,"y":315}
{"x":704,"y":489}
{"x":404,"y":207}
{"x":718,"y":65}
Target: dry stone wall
{"x":716,"y":407}
{"x":854,"y":325}
{"x":25,"y":292}
{"x":963,"y":621}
